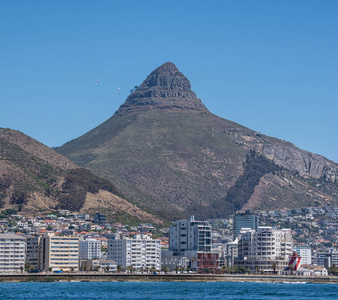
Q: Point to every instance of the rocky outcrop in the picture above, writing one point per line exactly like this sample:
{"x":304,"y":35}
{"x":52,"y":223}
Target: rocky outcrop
{"x":303,"y":162}
{"x":286,"y":154}
{"x":165,"y":88}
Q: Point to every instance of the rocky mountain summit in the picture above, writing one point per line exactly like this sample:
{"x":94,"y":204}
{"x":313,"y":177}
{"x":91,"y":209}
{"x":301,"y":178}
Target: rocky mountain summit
{"x":166,"y":151}
{"x":165,"y":88}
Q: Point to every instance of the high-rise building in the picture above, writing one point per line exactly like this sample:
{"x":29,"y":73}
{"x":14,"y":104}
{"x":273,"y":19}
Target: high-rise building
{"x":32,"y":252}
{"x":193,"y":239}
{"x":245,"y":219}
{"x":59,"y":252}
{"x":90,"y":249}
{"x":231,"y":252}
{"x":140,"y":252}
{"x":266,"y":250}
{"x":12,"y":252}
{"x":190,"y":235}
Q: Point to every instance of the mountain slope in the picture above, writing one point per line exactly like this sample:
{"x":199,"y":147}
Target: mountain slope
{"x":35,"y":178}
{"x":164,"y":149}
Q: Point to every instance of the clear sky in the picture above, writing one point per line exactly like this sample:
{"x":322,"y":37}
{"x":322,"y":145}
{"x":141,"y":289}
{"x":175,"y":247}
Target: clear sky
{"x":268,"y":65}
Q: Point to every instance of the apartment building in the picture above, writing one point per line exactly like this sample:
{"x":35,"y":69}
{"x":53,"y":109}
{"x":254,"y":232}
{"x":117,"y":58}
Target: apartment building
{"x":190,"y":235}
{"x":193,"y":240}
{"x":59,"y":252}
{"x":266,"y":250}
{"x":139,"y":252}
{"x":32,"y":252}
{"x":326,"y":258}
{"x":12,"y":253}
{"x":231,"y":253}
{"x":90,"y":249}
{"x":305,"y":254}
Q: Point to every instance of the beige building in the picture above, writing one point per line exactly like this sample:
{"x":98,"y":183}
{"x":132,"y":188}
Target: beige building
{"x":12,"y":253}
{"x":59,"y":252}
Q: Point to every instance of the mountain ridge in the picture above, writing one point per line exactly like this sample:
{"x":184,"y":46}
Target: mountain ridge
{"x":168,"y":151}
{"x":35,"y":179}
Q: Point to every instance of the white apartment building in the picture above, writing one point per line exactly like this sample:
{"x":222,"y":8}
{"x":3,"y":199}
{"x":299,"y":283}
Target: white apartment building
{"x":140,"y":252}
{"x":264,"y":250}
{"x":190,"y":235}
{"x":90,"y":249}
{"x":59,"y":252}
{"x":305,"y":254}
{"x":12,"y":253}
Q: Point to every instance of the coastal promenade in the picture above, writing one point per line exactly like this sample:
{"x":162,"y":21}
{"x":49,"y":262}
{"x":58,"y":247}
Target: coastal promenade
{"x":163,"y":277}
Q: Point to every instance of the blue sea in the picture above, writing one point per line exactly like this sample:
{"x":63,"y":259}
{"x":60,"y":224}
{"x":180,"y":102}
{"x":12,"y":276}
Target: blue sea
{"x":166,"y":290}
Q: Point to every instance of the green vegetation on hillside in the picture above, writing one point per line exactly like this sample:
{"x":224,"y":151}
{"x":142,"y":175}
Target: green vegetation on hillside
{"x":76,"y":185}
{"x":255,"y":167}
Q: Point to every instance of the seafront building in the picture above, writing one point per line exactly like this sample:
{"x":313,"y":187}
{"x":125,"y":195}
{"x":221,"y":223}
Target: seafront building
{"x":90,"y":249}
{"x":190,"y":244}
{"x":266,"y":250}
{"x":34,"y":247}
{"x":140,"y":252}
{"x":12,"y":253}
{"x":231,"y":253}
{"x":190,"y":235}
{"x":326,"y":258}
{"x":58,"y":252}
{"x":98,"y":265}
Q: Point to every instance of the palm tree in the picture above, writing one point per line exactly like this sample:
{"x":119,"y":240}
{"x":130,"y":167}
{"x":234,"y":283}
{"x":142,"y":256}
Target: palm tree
{"x":152,"y":269}
{"x":27,"y":267}
{"x":165,"y":269}
{"x":146,"y":269}
{"x":192,"y":261}
{"x":274,"y":267}
{"x":333,"y":269}
{"x":176,"y":269}
{"x":130,"y":269}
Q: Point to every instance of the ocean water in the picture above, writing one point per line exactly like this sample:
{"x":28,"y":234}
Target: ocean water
{"x":166,"y":290}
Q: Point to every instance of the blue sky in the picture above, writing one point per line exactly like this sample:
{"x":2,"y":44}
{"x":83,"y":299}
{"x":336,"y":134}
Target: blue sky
{"x":268,"y":65}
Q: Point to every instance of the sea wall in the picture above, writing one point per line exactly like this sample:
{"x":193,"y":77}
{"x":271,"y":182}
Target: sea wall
{"x":163,"y":277}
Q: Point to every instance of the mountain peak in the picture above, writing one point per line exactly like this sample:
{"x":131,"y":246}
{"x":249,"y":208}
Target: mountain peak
{"x":165,"y":88}
{"x":167,"y":67}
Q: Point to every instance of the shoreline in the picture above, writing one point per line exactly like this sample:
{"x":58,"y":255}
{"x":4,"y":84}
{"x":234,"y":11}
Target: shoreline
{"x":68,"y":277}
